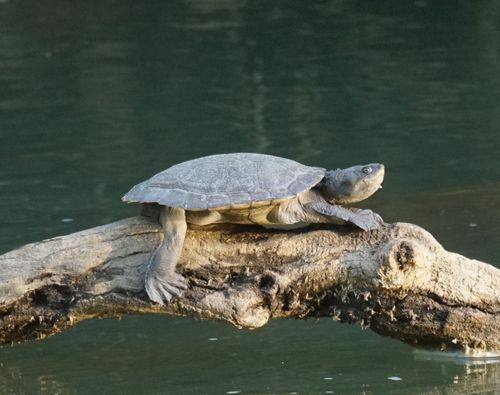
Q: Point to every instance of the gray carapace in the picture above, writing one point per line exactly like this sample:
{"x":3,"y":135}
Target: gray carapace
{"x":247,"y":188}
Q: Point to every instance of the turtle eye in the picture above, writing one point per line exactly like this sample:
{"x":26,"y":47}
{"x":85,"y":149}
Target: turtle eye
{"x":367,"y":169}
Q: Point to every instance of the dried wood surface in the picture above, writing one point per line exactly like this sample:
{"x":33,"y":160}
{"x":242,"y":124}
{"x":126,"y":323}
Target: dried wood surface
{"x":398,"y":281}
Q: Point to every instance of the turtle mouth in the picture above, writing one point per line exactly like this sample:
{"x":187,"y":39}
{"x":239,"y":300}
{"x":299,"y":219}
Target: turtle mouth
{"x":376,"y":183}
{"x":380,"y":176}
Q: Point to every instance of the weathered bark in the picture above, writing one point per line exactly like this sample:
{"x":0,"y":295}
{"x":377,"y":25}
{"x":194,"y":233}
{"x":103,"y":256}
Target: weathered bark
{"x":398,"y":281}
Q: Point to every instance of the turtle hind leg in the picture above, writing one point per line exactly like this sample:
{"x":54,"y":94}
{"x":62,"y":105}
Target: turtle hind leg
{"x":162,"y":283}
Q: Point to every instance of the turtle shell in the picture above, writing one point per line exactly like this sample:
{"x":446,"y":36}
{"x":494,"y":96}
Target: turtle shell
{"x":227,"y":180}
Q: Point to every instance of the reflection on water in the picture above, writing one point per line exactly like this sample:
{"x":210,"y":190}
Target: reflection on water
{"x":98,"y":96}
{"x":480,"y":374}
{"x":460,"y":358}
{"x":181,"y":356}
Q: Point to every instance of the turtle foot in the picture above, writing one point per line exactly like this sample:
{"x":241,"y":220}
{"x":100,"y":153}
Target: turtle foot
{"x":163,"y":289}
{"x":367,"y":220}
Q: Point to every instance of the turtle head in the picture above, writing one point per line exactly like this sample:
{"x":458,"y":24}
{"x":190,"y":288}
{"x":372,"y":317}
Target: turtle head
{"x":343,"y":186}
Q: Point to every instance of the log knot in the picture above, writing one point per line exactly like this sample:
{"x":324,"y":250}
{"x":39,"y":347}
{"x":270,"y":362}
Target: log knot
{"x":404,"y":255}
{"x":398,"y":263}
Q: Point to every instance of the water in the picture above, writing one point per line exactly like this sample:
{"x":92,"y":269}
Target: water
{"x":96,"y":96}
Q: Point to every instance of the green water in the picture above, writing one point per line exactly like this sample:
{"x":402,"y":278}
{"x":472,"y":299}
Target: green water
{"x":96,"y":96}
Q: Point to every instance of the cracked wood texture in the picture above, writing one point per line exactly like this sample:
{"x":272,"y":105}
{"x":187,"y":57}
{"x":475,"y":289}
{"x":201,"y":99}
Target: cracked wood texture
{"x":397,"y":281}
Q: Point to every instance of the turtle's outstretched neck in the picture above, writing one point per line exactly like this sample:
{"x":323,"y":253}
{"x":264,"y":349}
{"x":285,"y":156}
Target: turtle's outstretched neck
{"x":161,"y":280}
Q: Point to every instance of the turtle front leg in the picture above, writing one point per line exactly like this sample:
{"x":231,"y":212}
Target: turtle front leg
{"x":161,"y":281}
{"x":364,"y":219}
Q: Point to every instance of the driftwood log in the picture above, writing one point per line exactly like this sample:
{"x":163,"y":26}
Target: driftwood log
{"x":398,"y":281}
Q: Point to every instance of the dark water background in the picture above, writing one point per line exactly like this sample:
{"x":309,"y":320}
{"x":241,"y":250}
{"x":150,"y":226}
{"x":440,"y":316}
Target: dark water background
{"x":98,"y":95}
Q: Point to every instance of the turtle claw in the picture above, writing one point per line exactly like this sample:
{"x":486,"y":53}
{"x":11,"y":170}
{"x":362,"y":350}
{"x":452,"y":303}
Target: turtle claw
{"x":161,"y":290}
{"x":367,"y":220}
{"x":177,"y":280}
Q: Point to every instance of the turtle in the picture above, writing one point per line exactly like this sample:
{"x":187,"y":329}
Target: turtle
{"x":247,"y":188}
